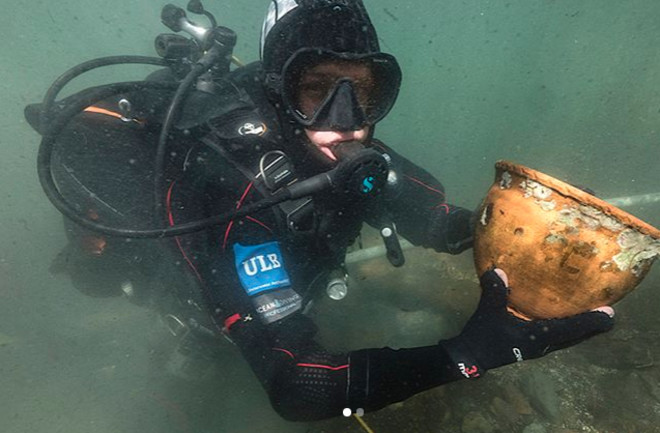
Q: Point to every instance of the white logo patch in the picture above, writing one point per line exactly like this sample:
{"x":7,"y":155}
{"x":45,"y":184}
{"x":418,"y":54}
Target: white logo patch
{"x":250,"y":128}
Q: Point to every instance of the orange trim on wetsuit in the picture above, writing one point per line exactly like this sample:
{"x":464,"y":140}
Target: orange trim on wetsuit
{"x":99,"y":110}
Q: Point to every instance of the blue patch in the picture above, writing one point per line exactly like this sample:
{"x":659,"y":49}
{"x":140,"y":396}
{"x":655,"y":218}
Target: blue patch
{"x":260,"y":267}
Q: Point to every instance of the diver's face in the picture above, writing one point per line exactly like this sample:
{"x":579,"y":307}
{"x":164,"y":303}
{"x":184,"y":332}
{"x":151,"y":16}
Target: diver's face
{"x":317,"y":82}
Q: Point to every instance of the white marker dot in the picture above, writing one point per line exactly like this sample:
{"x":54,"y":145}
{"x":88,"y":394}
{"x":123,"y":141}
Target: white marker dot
{"x":347,"y":412}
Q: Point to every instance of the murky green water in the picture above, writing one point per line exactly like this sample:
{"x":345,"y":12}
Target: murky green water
{"x":571,"y":88}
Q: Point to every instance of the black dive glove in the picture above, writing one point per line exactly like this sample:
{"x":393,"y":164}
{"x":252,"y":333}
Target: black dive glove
{"x":451,"y":230}
{"x":493,"y":337}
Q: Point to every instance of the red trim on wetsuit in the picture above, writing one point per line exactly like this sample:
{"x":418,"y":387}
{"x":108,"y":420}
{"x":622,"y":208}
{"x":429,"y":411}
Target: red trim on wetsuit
{"x":238,"y":206}
{"x":430,"y":188}
{"x":445,"y":206}
{"x":170,"y":218}
{"x":224,"y":242}
{"x":249,"y":218}
{"x":325,"y":367}
{"x":229,"y":321}
{"x":303,"y":364}
{"x":244,"y":196}
{"x":256,"y":221}
{"x":285,"y":351}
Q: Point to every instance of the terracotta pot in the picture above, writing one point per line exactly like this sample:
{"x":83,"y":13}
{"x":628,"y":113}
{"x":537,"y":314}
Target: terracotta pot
{"x":564,"y":250}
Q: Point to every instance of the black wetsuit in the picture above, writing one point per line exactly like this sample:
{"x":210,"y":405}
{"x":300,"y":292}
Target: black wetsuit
{"x":259,"y":272}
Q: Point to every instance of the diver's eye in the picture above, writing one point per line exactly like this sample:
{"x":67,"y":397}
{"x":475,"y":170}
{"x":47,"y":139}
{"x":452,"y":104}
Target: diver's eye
{"x":363,"y":91}
{"x":315,"y":89}
{"x":311,"y":93}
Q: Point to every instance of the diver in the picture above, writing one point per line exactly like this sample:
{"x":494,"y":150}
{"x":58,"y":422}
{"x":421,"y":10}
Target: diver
{"x":300,"y":124}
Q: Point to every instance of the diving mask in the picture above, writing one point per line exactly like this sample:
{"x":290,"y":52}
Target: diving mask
{"x":324,"y":90}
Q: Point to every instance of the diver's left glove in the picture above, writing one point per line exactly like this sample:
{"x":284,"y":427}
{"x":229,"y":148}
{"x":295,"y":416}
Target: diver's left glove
{"x":493,"y":337}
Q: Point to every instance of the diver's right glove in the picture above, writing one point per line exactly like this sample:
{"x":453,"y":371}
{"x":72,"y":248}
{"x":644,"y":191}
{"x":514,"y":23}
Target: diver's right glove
{"x":493,"y":337}
{"x":451,"y":230}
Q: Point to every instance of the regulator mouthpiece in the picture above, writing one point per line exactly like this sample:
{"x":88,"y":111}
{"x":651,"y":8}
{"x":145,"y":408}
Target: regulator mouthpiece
{"x":361,"y":172}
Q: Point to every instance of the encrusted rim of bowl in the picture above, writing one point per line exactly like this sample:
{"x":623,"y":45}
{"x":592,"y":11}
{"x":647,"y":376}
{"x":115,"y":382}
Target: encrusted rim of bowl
{"x":579,"y":195}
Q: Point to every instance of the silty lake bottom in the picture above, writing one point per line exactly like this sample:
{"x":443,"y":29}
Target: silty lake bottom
{"x":115,"y":367}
